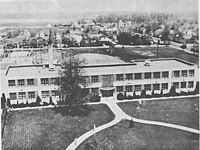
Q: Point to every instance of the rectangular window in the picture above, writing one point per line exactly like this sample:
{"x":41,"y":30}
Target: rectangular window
{"x":13,"y":96}
{"x":138,"y":87}
{"x":95,"y":79}
{"x":129,"y":76}
{"x":147,"y":75}
{"x":53,"y":81}
{"x":30,"y":82}
{"x":44,"y":81}
{"x":156,"y":86}
{"x":184,"y":73}
{"x":176,"y":85}
{"x":138,"y":76}
{"x":21,"y":82}
{"x":190,"y":84}
{"x":120,"y":89}
{"x":183,"y":84}
{"x":147,"y":87}
{"x":129,"y":88}
{"x":156,"y":75}
{"x":120,"y":77}
{"x":165,"y":86}
{"x":22,"y":95}
{"x":31,"y":95}
{"x":191,"y":73}
{"x":176,"y":74}
{"x":11,"y":82}
{"x":95,"y":90}
{"x":45,"y":94}
{"x":165,"y":74}
{"x":55,"y":93}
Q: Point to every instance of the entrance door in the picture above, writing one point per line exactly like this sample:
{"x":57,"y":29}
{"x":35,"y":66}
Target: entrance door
{"x":107,"y":93}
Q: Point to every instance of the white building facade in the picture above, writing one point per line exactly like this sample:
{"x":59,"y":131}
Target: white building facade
{"x":104,"y":74}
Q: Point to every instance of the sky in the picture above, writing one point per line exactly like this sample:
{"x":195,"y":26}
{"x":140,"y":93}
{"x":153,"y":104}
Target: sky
{"x":37,"y":7}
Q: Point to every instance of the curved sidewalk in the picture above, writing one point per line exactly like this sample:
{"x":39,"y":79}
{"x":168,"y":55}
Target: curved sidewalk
{"x":83,"y":137}
{"x":120,"y":115}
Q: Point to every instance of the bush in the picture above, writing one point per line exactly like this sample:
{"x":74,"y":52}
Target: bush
{"x":125,"y":96}
{"x":120,"y":96}
{"x":95,"y":98}
{"x":38,"y":100}
{"x":183,"y":93}
{"x":129,"y":97}
{"x":50,"y":101}
{"x":196,"y":91}
{"x":143,"y":94}
{"x":172,"y":91}
{"x":46,"y":104}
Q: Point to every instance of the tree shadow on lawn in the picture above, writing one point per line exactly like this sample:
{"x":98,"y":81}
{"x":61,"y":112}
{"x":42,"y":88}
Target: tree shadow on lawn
{"x":77,"y":110}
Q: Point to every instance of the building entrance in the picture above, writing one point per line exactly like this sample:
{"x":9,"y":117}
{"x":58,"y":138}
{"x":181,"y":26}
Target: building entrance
{"x":107,"y":92}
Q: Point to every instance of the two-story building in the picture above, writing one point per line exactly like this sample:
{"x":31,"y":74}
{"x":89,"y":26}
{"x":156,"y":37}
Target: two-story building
{"x":105,"y":75}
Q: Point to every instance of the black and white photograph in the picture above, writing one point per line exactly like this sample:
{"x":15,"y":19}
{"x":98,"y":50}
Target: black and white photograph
{"x":99,"y":74}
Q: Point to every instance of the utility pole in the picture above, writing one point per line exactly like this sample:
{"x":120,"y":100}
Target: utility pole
{"x":157,"y":47}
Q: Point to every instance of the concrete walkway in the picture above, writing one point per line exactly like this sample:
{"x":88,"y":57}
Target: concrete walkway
{"x":118,"y":118}
{"x":120,"y":115}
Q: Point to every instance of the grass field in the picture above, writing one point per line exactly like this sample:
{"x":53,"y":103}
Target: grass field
{"x":177,"y":111}
{"x":142,"y":137}
{"x":128,"y":54}
{"x":47,"y":130}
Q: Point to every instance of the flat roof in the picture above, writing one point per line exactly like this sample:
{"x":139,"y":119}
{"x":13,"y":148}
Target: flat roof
{"x":100,"y":68}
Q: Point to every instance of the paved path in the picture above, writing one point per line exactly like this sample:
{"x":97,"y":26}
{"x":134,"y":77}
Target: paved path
{"x":119,"y":115}
{"x":83,"y":137}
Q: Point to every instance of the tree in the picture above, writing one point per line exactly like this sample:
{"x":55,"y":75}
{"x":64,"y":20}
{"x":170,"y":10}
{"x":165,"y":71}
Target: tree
{"x":124,"y":38}
{"x":184,"y":46}
{"x":172,"y":91}
{"x":71,"y":79}
{"x":3,"y":101}
{"x":196,"y":91}
{"x":143,"y":94}
{"x":50,"y":101}
{"x":38,"y":100}
{"x":8,"y":102}
{"x":131,"y":125}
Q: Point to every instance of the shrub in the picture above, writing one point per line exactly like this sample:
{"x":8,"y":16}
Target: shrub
{"x":134,"y":95}
{"x":38,"y":100}
{"x":8,"y":102}
{"x":50,"y":101}
{"x":46,"y":104}
{"x":125,"y":96}
{"x":120,"y":96}
{"x":172,"y":91}
{"x":3,"y":101}
{"x":129,"y":97}
{"x":95,"y":98}
{"x":196,"y":91}
{"x":143,"y":94}
{"x":183,"y":93}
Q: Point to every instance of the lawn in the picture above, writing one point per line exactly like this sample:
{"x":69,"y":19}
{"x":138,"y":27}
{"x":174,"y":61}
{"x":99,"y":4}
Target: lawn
{"x":128,"y":54}
{"x":141,"y":137}
{"x":46,"y":129}
{"x":181,"y":111}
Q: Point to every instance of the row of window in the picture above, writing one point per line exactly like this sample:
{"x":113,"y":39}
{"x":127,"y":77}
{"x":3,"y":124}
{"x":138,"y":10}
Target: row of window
{"x":149,"y":87}
{"x":183,"y":73}
{"x":147,"y":75}
{"x":178,"y":85}
{"x":32,"y":82}
{"x":32,"y":94}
